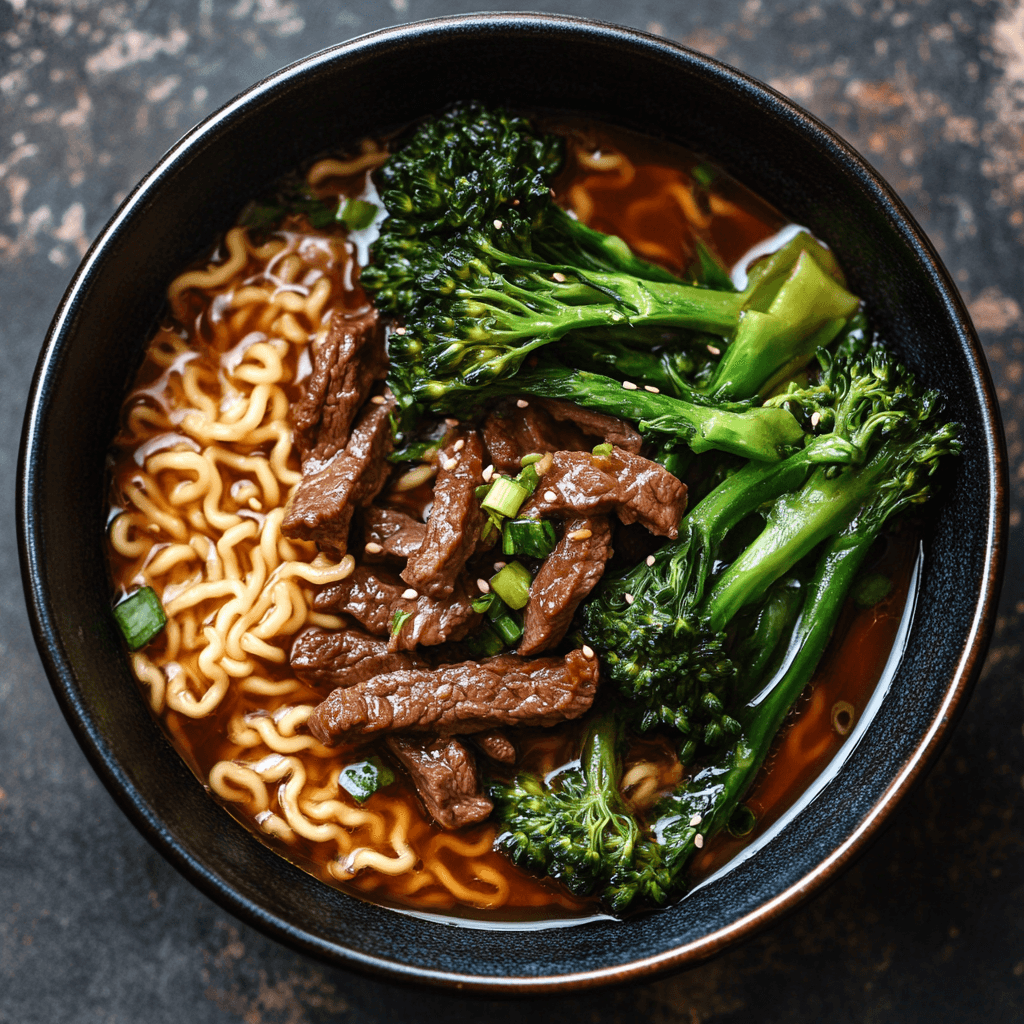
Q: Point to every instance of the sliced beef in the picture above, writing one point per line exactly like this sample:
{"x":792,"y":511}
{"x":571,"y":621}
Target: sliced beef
{"x":595,"y":424}
{"x":567,"y":576}
{"x":373,"y":599}
{"x":328,"y":494}
{"x":496,"y":745}
{"x":634,"y":488}
{"x":453,"y":528}
{"x":511,"y":432}
{"x":444,"y":774}
{"x":464,"y":698}
{"x":346,"y":365}
{"x":394,"y":533}
{"x":344,"y":657}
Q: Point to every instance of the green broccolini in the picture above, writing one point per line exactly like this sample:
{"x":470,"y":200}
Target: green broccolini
{"x":484,"y":268}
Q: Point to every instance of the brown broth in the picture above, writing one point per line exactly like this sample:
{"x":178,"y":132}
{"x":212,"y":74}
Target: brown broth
{"x":658,"y":211}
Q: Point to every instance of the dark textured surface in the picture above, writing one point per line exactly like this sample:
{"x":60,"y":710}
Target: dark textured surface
{"x":95,"y":926}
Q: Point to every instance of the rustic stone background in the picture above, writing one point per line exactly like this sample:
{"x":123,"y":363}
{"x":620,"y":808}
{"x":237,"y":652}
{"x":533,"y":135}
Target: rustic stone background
{"x":95,"y":926}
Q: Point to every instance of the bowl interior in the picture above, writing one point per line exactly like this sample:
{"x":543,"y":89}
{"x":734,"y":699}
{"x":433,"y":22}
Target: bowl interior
{"x":378,"y":83}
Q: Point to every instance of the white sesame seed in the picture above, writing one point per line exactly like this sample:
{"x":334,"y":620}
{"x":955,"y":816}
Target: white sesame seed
{"x":714,"y":351}
{"x":487,"y":474}
{"x":497,"y":225}
{"x":498,"y":566}
{"x":698,"y":841}
{"x":373,"y":548}
{"x":695,"y":820}
{"x":399,"y":330}
{"x":450,"y":464}
{"x":410,"y":594}
{"x":650,"y":559}
{"x":483,"y":586}
{"x":629,"y":598}
{"x":550,"y":496}
{"x":552,"y":191}
{"x":558,"y":276}
{"x":653,"y":390}
{"x":522,"y":403}
{"x":459,"y":445}
{"x":629,"y":385}
{"x":581,"y":535}
{"x":515,"y":202}
{"x":451,"y":423}
{"x":378,"y":399}
{"x":815,"y":419}
{"x":588,"y":652}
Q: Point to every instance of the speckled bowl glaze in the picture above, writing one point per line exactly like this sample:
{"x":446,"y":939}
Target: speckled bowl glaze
{"x":373,"y":84}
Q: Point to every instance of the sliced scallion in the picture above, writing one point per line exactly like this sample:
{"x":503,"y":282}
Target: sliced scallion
{"x":529,"y":460}
{"x":508,"y":628}
{"x":602,"y":451}
{"x":485,"y":643}
{"x":140,"y":616}
{"x":505,"y":497}
{"x":528,"y":479}
{"x":534,"y":538}
{"x":357,"y":214}
{"x":398,"y":621}
{"x":512,"y":585}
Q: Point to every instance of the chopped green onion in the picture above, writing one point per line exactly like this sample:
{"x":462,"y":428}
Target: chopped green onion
{"x":534,"y":538}
{"x":140,"y":616}
{"x":481,"y":491}
{"x":505,"y":497}
{"x":602,"y":451}
{"x":704,"y":174}
{"x":485,"y":643}
{"x":508,"y":628}
{"x":529,"y":460}
{"x":363,"y":778}
{"x":417,"y":451}
{"x":483,"y":603}
{"x":528,"y":479}
{"x":512,"y":585}
{"x":742,"y":821}
{"x":357,"y":214}
{"x":399,"y":620}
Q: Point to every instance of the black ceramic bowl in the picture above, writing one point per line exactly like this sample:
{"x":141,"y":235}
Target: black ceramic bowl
{"x":383,"y":81}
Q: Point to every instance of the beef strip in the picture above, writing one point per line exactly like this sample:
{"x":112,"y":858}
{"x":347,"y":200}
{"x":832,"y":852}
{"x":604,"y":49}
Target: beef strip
{"x":321,"y":507}
{"x":453,"y":528}
{"x":346,"y":365}
{"x":397,"y":534}
{"x":344,"y":657}
{"x":372,"y":600}
{"x":496,"y":745}
{"x":463,"y":698}
{"x":511,"y":432}
{"x":567,"y":576}
{"x":634,"y":488}
{"x":595,"y":424}
{"x":444,"y":774}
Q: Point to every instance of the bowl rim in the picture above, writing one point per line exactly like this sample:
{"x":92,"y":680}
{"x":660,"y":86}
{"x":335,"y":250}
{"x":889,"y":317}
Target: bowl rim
{"x":58,"y":667}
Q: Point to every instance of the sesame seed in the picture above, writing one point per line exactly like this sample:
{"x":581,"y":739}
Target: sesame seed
{"x":695,"y":820}
{"x":629,"y":385}
{"x":653,"y":390}
{"x":714,"y":351}
{"x":449,"y":464}
{"x":629,"y":598}
{"x":399,"y":330}
{"x":373,"y":548}
{"x":498,"y":566}
{"x":588,"y":652}
{"x":459,"y":445}
{"x":558,"y":276}
{"x":497,"y":225}
{"x":550,"y":496}
{"x":698,"y":841}
{"x":815,"y":419}
{"x":581,"y":535}
{"x":483,"y":586}
{"x":451,"y":423}
{"x":515,"y":202}
{"x":487,"y":474}
{"x":378,"y":400}
{"x":522,"y":403}
{"x":410,"y":594}
{"x":552,"y":191}
{"x":650,"y":559}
